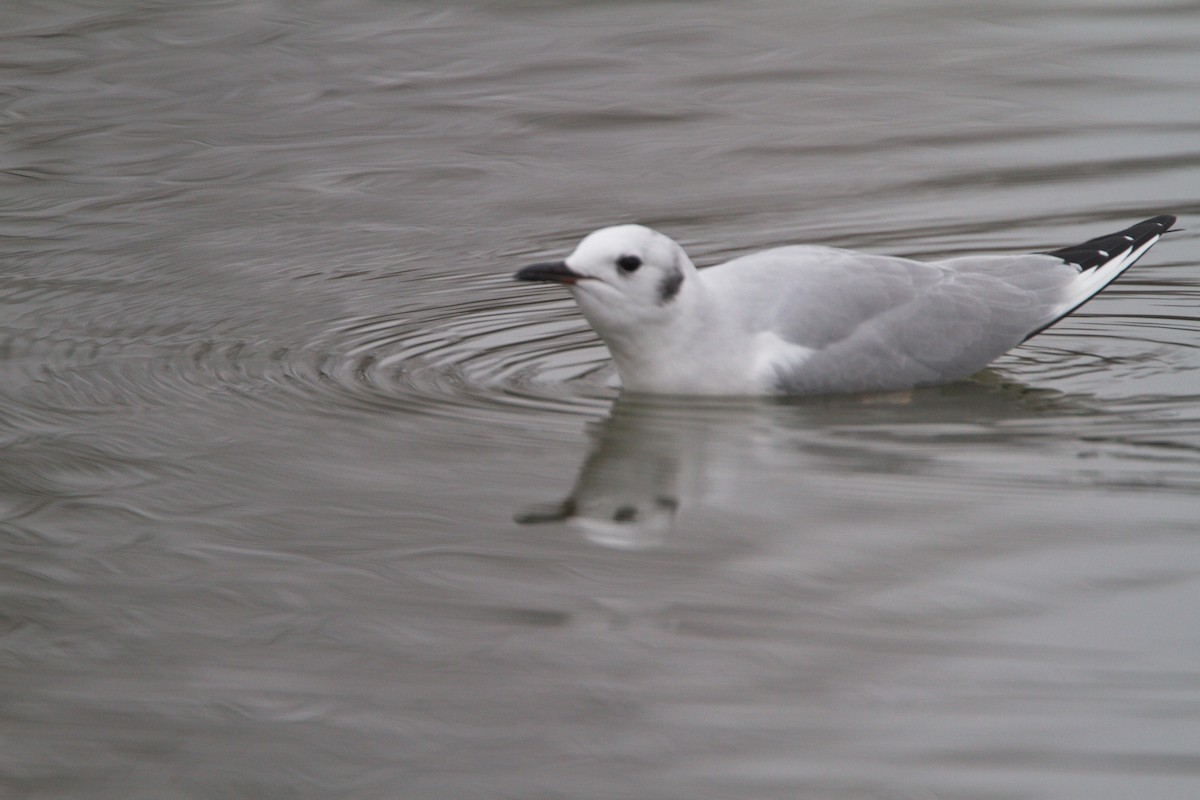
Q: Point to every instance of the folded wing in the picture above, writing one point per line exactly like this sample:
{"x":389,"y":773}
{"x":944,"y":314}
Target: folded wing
{"x":878,"y":322}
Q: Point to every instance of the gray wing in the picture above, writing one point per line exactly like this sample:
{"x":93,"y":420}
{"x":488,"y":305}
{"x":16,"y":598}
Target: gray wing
{"x":880,"y":322}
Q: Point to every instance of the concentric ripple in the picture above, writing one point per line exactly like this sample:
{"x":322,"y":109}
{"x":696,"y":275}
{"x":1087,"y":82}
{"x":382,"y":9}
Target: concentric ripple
{"x":494,"y":351}
{"x":483,"y":353}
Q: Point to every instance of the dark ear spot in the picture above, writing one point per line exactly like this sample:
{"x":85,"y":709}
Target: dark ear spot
{"x":669,"y":503}
{"x":669,"y":286}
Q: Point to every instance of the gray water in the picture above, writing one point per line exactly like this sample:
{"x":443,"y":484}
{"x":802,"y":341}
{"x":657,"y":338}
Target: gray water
{"x":301,"y":496}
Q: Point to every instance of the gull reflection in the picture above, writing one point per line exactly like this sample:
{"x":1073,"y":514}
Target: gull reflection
{"x":645,"y":458}
{"x":649,"y":459}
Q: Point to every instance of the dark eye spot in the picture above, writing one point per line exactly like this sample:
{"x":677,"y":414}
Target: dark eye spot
{"x":629,"y":263}
{"x":625,"y":514}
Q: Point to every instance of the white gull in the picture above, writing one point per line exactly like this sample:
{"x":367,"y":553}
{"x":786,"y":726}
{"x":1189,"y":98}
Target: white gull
{"x":809,"y":320}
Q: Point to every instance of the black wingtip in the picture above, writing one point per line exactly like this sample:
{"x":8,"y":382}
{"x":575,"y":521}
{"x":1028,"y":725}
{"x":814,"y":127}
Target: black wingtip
{"x":1101,"y":250}
{"x":1162,"y":221}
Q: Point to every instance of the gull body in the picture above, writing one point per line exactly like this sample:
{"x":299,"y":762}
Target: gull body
{"x":810,"y":320}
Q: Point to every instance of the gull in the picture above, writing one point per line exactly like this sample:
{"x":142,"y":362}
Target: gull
{"x":806,"y":319}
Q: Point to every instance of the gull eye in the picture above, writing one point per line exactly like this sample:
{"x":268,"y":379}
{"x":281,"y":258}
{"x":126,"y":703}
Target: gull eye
{"x":629,"y":263}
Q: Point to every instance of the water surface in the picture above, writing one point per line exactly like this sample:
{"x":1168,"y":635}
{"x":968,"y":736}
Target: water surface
{"x":301,"y":496}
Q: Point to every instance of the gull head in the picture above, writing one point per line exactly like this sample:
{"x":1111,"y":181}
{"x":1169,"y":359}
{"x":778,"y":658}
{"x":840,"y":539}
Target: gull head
{"x":627,"y":279}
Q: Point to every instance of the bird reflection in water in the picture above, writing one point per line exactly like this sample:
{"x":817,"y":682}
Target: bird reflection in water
{"x":652,"y":458}
{"x":644,"y":459}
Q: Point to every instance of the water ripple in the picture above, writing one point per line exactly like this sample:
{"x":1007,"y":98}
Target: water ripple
{"x":482,"y":354}
{"x":530,"y":355}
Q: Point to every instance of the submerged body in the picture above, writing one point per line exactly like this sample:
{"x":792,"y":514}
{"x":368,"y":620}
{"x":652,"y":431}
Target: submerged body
{"x":811,"y":320}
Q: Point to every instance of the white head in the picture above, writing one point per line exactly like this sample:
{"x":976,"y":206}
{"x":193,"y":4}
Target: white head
{"x":627,"y":279}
